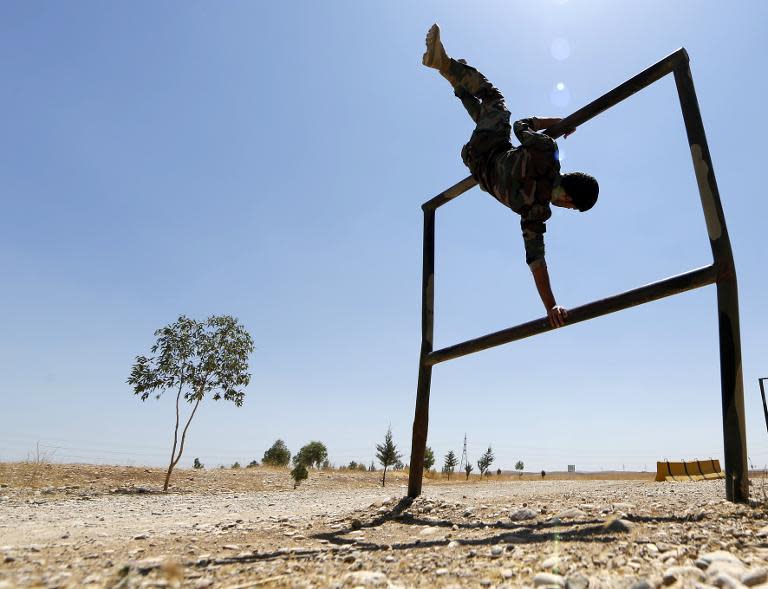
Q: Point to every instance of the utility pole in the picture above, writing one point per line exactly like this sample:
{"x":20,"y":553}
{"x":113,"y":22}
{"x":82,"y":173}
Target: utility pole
{"x":762,"y":393}
{"x":464,"y":459}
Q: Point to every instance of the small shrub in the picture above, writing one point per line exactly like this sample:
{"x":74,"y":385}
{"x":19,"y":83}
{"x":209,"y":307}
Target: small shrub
{"x":236,"y":465}
{"x":252,"y":464}
{"x":298,"y":474}
{"x":197,"y":464}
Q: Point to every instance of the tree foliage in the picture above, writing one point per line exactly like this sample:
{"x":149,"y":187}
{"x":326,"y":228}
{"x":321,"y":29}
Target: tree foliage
{"x":449,"y":465}
{"x":387,"y":454}
{"x":485,"y":461}
{"x":299,"y":473}
{"x":195,"y":359}
{"x":520,"y":465}
{"x":197,"y":464}
{"x":252,"y":464}
{"x":429,"y":459}
{"x":278,"y":454}
{"x":312,"y":454}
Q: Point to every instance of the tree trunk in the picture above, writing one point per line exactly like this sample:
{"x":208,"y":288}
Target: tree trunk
{"x":384,"y":477}
{"x":175,"y":440}
{"x":181,"y":446}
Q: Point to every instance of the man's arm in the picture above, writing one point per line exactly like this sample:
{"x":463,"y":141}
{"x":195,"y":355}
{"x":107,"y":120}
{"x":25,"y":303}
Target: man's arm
{"x":557,"y":314}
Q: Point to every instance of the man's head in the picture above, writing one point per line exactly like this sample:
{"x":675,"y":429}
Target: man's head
{"x":581,"y":190}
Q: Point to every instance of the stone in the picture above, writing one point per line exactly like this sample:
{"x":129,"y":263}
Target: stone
{"x":548,"y":580}
{"x":643,"y":584}
{"x":506,"y":573}
{"x":719,"y":555}
{"x":141,"y":536}
{"x":673,"y":574}
{"x":725,"y":581}
{"x":623,"y":506}
{"x":522,"y":514}
{"x":550,"y":562}
{"x":203,"y":583}
{"x":571,"y":513}
{"x":453,"y":544}
{"x":619,"y":525}
{"x":367,"y":578}
{"x":762,"y":532}
{"x":756,"y":576}
{"x":497,"y":551}
{"x":429,"y":531}
{"x":577,"y":581}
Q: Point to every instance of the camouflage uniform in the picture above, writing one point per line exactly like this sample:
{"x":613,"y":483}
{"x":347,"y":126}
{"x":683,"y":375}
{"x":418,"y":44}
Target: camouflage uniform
{"x":521,"y":178}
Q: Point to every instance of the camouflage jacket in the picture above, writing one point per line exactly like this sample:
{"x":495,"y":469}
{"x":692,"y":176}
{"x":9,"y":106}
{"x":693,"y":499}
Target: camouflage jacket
{"x":522,"y":178}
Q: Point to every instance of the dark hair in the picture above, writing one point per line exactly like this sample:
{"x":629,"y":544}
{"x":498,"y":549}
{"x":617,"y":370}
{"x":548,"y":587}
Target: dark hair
{"x":582,"y":188}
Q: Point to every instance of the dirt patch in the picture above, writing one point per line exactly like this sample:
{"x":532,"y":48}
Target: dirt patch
{"x":342,"y":529}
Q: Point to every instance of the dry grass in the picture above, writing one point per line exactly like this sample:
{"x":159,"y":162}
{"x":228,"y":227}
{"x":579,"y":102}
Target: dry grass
{"x":40,"y":473}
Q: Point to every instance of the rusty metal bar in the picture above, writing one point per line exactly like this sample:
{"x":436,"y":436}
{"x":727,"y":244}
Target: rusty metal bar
{"x":421,"y":414}
{"x":731,"y":381}
{"x":631,"y":298}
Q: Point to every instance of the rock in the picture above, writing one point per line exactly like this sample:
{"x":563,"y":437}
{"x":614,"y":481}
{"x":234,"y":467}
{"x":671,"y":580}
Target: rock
{"x":719,"y":555}
{"x":453,"y":544}
{"x":762,"y":532}
{"x":548,"y":580}
{"x":673,"y":574}
{"x":623,"y":506}
{"x":355,"y":524}
{"x":441,"y":572}
{"x":725,"y":567}
{"x":644,"y":584}
{"x":576,"y":581}
{"x":348,"y":558}
{"x":522,"y":514}
{"x":619,"y":525}
{"x":234,"y":547}
{"x":497,"y":551}
{"x":429,"y":531}
{"x":203,"y":583}
{"x":550,"y":563}
{"x":725,"y":581}
{"x":141,"y":536}
{"x":485,"y":582}
{"x":506,"y":573}
{"x":571,"y":513}
{"x":367,"y":579}
{"x":756,"y":576}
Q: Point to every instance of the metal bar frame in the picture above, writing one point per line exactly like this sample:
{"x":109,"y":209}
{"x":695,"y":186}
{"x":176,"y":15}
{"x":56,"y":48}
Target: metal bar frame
{"x":722,"y":273}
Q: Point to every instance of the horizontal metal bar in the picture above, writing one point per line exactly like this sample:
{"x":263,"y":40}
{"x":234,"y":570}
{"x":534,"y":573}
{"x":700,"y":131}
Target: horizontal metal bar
{"x":631,"y":298}
{"x":645,"y":78}
{"x":448,"y":195}
{"x":610,"y":99}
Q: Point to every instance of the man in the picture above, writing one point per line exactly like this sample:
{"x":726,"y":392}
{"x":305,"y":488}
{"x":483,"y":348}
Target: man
{"x":526,"y":179}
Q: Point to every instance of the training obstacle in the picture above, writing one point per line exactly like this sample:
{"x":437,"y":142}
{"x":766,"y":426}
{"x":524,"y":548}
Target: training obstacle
{"x":693,"y":470}
{"x":721,"y":272}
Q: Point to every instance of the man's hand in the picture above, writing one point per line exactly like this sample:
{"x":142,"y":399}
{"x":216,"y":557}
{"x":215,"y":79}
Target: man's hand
{"x":557,"y":316}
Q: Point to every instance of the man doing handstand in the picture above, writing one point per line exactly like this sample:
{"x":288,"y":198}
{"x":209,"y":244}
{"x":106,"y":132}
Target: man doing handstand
{"x":527,"y":178}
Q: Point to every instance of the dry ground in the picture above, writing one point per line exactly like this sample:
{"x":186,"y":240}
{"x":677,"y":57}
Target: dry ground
{"x":96,"y":526}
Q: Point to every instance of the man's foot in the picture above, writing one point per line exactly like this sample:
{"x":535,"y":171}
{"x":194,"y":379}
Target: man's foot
{"x":435,"y":56}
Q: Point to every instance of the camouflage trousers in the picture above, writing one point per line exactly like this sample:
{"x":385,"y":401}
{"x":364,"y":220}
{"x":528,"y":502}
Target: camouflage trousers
{"x":485,"y":104}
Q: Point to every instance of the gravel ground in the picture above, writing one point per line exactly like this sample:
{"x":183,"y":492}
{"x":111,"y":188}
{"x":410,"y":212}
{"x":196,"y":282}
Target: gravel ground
{"x":339,"y":532}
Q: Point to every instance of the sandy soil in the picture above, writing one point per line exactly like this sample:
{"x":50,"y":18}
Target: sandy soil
{"x":88,"y":526}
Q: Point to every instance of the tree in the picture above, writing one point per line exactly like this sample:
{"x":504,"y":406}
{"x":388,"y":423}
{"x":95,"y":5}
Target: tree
{"x":519,"y":465}
{"x":236,"y":465}
{"x":194,"y":358}
{"x":485,"y":461}
{"x":429,"y":459}
{"x":387,"y":454}
{"x":252,"y":464}
{"x":352,"y":465}
{"x":298,"y":474}
{"x":278,"y":454}
{"x":468,"y":468}
{"x":450,"y":464}
{"x":197,"y":464}
{"x":312,"y":454}
{"x":543,"y":473}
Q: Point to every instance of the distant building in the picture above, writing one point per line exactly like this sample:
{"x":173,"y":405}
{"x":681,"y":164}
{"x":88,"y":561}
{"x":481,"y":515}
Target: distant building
{"x":571,"y":468}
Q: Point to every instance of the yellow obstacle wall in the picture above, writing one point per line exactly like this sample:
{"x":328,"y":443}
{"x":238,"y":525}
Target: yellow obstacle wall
{"x":695,"y":470}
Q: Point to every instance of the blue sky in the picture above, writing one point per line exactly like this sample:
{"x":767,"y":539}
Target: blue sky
{"x":268,"y":160}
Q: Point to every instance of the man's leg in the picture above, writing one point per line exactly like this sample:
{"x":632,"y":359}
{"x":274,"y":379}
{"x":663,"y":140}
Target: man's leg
{"x":483,"y":102}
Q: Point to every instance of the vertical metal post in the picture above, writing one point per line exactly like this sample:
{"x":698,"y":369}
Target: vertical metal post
{"x":421,"y":417}
{"x":762,"y":394}
{"x":732,"y":386}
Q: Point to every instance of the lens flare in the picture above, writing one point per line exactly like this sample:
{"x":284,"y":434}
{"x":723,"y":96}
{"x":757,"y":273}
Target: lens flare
{"x":560,"y":96}
{"x":560,"y":49}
